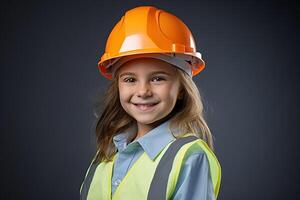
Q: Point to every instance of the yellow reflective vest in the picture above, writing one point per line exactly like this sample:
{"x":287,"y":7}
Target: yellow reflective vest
{"x":144,"y":180}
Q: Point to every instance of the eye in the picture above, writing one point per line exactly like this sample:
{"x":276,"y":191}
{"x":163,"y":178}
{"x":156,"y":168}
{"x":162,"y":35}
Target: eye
{"x":129,"y":79}
{"x":157,"y":78}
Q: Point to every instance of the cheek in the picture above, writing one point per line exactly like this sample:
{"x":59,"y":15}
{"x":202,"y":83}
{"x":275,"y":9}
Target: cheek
{"x":124,"y":93}
{"x":169,"y":93}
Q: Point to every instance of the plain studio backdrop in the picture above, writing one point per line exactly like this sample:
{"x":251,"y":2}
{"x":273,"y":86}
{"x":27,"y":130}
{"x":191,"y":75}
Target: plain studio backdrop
{"x":49,"y":83}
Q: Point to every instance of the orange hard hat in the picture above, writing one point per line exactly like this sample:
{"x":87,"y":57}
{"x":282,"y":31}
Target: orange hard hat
{"x":146,"y":31}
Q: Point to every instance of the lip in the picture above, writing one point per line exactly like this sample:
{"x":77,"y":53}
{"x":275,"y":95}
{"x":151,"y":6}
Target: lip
{"x":145,"y":107}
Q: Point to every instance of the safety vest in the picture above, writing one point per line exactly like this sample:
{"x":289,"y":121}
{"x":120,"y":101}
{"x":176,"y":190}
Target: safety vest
{"x":148,"y":179}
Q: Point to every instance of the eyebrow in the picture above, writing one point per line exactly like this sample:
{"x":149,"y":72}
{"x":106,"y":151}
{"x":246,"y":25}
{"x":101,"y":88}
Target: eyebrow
{"x":153,"y":73}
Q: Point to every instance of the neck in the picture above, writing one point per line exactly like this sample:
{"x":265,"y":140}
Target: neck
{"x":143,"y":129}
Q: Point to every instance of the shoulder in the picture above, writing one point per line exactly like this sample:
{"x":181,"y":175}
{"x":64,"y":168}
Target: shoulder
{"x":195,"y":165}
{"x":195,"y":158}
{"x":194,"y":148}
{"x":192,"y":152}
{"x":194,"y":179}
{"x":192,"y":155}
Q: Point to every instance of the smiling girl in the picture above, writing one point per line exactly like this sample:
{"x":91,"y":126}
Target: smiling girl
{"x":152,"y":139}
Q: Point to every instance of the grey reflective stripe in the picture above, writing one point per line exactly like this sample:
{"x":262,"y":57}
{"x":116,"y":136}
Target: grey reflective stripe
{"x":87,"y":182}
{"x":158,"y":187}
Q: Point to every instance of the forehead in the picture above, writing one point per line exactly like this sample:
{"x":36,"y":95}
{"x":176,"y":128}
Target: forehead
{"x":146,"y":65}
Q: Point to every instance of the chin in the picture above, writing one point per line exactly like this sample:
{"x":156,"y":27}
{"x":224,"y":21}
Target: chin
{"x":145,"y":121}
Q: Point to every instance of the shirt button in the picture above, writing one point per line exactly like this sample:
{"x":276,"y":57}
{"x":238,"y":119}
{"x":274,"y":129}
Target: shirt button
{"x":117,"y":182}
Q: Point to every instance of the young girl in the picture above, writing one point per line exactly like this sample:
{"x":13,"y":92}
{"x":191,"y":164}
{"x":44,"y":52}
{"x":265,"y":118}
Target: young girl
{"x":153,"y":141}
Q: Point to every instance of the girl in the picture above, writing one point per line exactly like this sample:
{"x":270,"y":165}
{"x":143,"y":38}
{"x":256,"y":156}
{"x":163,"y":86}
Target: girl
{"x":152,"y":140}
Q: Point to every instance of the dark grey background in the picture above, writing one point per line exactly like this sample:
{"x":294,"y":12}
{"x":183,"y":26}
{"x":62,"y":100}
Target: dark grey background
{"x":49,"y":81}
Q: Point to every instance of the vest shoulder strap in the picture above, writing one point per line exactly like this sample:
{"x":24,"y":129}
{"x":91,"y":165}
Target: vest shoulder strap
{"x":158,"y":187}
{"x":87,"y":182}
{"x":85,"y":186}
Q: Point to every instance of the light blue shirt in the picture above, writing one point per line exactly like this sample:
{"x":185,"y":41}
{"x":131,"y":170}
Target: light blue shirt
{"x":194,"y":182}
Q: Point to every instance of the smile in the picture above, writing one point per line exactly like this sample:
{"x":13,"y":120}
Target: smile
{"x":145,"y":107}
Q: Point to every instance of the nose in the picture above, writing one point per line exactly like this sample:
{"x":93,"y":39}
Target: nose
{"x":144,"y":90}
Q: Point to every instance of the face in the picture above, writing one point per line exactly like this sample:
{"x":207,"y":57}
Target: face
{"x":148,"y":89}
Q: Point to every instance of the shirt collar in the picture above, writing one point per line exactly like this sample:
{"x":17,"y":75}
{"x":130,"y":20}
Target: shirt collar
{"x":152,"y":143}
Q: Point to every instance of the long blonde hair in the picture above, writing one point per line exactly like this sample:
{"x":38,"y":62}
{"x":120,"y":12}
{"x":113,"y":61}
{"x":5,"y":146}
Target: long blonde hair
{"x":188,"y":117}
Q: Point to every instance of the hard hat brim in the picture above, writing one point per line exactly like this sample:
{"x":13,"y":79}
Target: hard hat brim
{"x":191,"y":63}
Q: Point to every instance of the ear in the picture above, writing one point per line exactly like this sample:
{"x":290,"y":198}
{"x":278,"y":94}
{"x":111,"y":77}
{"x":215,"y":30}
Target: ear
{"x":180,"y":94}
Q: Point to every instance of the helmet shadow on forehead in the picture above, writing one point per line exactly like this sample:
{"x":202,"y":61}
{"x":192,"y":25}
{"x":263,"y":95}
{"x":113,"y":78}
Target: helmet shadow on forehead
{"x":150,"y":65}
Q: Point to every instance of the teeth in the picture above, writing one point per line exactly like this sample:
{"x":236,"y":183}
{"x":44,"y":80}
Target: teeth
{"x":144,"y":106}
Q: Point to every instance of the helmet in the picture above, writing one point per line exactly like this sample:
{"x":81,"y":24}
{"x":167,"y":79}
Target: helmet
{"x":146,"y":31}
